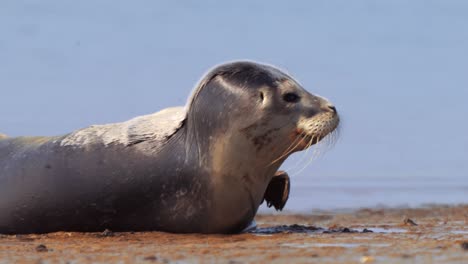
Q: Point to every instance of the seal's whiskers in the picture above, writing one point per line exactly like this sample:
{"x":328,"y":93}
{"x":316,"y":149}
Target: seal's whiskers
{"x":325,"y":145}
{"x":290,"y":149}
{"x":315,"y":154}
{"x":309,"y":144}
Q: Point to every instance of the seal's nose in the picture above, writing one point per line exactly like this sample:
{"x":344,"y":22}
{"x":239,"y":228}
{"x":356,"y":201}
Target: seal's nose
{"x":325,"y":105}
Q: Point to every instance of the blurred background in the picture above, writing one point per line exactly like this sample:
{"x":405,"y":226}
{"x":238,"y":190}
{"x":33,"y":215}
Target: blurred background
{"x":396,"y":70}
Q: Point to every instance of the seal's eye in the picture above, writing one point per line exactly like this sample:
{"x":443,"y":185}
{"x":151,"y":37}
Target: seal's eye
{"x":291,"y":98}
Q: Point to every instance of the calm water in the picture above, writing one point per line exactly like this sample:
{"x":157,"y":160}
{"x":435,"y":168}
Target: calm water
{"x":396,"y":70}
{"x":325,"y":194}
{"x":310,"y":192}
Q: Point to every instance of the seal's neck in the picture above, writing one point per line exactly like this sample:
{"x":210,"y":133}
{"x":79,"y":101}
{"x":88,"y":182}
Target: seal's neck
{"x":239,"y":177}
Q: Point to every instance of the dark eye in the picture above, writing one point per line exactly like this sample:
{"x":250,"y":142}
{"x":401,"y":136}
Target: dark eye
{"x":291,"y":98}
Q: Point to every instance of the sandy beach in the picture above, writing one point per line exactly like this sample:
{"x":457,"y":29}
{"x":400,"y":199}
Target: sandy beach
{"x":431,"y":234}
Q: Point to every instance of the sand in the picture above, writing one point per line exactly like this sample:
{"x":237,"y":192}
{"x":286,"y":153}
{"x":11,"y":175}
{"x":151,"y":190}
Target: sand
{"x":433,"y":234}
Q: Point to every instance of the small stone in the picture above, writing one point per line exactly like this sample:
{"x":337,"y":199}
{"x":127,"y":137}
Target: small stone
{"x":41,"y":248}
{"x":464,"y":245}
{"x":409,"y":222}
{"x":367,"y":259}
{"x":107,"y":233}
{"x":346,"y":230}
{"x":151,"y":258}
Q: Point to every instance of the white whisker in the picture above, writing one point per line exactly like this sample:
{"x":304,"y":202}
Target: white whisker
{"x":303,"y":156}
{"x":289,"y":150}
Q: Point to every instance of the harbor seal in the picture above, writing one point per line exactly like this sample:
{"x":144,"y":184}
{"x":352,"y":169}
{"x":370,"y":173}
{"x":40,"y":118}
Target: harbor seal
{"x":202,"y":168}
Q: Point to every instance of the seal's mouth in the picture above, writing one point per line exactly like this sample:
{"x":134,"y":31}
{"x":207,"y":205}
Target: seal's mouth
{"x":311,"y":132}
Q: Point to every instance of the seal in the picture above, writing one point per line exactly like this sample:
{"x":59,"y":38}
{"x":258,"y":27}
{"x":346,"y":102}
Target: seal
{"x":202,"y":168}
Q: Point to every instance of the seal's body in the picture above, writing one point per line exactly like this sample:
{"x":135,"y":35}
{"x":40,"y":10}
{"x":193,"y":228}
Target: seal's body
{"x":203,"y":168}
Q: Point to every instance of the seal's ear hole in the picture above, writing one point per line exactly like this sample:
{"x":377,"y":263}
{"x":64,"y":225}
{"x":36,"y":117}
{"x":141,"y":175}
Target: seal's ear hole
{"x":262,"y":96}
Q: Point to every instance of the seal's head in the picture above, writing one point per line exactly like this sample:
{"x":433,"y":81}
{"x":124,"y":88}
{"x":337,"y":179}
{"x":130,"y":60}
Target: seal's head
{"x":260,"y":109}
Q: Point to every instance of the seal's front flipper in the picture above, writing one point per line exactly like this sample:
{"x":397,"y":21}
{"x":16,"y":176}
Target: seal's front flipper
{"x":277,"y":192}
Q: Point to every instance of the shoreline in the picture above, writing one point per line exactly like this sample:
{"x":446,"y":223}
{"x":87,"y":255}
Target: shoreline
{"x":433,"y":234}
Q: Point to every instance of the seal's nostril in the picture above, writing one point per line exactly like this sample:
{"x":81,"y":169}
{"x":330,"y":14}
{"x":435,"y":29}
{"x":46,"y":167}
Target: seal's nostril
{"x":333,"y":108}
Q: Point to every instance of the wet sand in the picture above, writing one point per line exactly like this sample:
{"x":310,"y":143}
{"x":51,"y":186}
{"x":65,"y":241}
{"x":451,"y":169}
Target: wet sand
{"x":435,"y":234}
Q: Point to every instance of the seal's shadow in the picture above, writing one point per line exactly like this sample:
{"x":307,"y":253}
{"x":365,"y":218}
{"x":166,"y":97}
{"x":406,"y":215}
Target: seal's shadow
{"x":303,"y":229}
